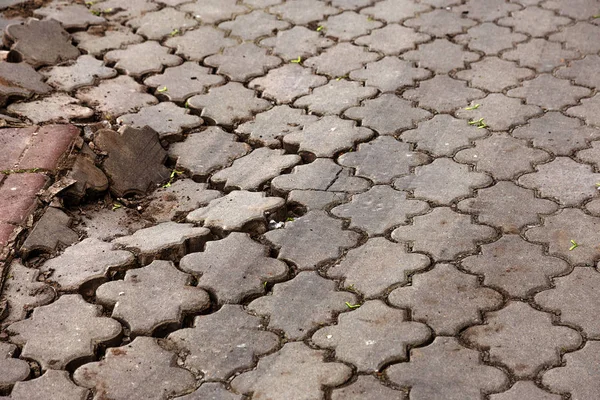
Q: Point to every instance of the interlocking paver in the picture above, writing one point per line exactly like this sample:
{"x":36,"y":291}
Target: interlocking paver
{"x":254,"y":25}
{"x":84,"y":72}
{"x":20,"y":80}
{"x":430,"y":233}
{"x":340,"y":59}
{"x":302,"y":12}
{"x":540,"y":54}
{"x":545,"y":21}
{"x":335,"y":97}
{"x":131,"y":9}
{"x":157,"y":25}
{"x":52,"y":385}
{"x":349,"y":25}
{"x":58,"y":107}
{"x":587,"y":110}
{"x":242,"y":62}
{"x":183,"y":81}
{"x":393,"y":11}
{"x":579,"y":37}
{"x":50,"y":232}
{"x":392,"y":39}
{"x":440,"y":23}
{"x":212,"y":391}
{"x":231,"y":332}
{"x":494,"y":75}
{"x":367,"y":385}
{"x":316,"y":199}
{"x":440,"y":56}
{"x":297,"y":42}
{"x":286,"y":83}
{"x":443,"y":94}
{"x":350,"y":4}
{"x":525,"y":390}
{"x":13,"y":370}
{"x":524,"y":347}
{"x":490,"y":38}
{"x":234,"y":268}
{"x":582,"y":72}
{"x":389,"y":74}
{"x":70,"y":16}
{"x":97,"y":44}
{"x":591,"y":155}
{"x":213,"y":11}
{"x":549,"y":92}
{"x":139,"y":59}
{"x":181,"y":197}
{"x":199,"y":43}
{"x":489,"y":11}
{"x":500,"y":112}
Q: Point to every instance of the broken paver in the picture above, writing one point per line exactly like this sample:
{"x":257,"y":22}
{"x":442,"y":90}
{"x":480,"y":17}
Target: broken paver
{"x":335,"y":97}
{"x":157,"y":25}
{"x":143,"y":58}
{"x":582,"y":71}
{"x":490,"y":38}
{"x":242,"y":62}
{"x":213,"y":11}
{"x":545,"y":21}
{"x":349,"y":25}
{"x":286,"y":83}
{"x":58,"y":107}
{"x":391,"y":11}
{"x":52,"y":385}
{"x":212,"y":391}
{"x":297,"y":42}
{"x":390,"y":74}
{"x":590,"y":155}
{"x":499,"y":112}
{"x":549,"y":92}
{"x":131,"y":9}
{"x":494,"y":74}
{"x":199,"y":43}
{"x":13,"y":369}
{"x":51,"y":231}
{"x":440,"y":22}
{"x":579,"y":37}
{"x":587,"y":110}
{"x":89,"y":180}
{"x":183,"y":81}
{"x":491,"y":11}
{"x":540,"y":54}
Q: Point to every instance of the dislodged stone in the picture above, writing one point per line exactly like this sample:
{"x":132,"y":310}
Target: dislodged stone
{"x":158,"y":24}
{"x":549,"y":92}
{"x":390,"y":74}
{"x":253,"y":170}
{"x":152,"y":297}
{"x":58,"y":107}
{"x":70,"y":16}
{"x":242,"y":62}
{"x":335,"y":97}
{"x":254,"y":25}
{"x":525,"y":390}
{"x":234,"y":268}
{"x":155,"y":376}
{"x":297,"y":42}
{"x":441,"y":56}
{"x":168,"y":240}
{"x":139,"y":59}
{"x":212,"y":11}
{"x":587,"y":111}
{"x":302,"y":12}
{"x":131,"y":9}
{"x":372,"y":336}
{"x":212,"y":391}
{"x":13,"y":369}
{"x":312,"y":250}
{"x":369,"y":386}
{"x":286,"y":83}
{"x":89,"y":180}
{"x":490,"y":38}
{"x":117,"y":96}
{"x":546,"y":21}
{"x":578,"y":36}
{"x":87,"y":261}
{"x":392,"y":11}
{"x":181,"y":82}
{"x":379,"y":209}
{"x":429,"y":233}
{"x":377,"y":265}
{"x":222,"y":343}
{"x":523,"y":339}
{"x":52,"y":385}
{"x":180,"y":197}
{"x":201,"y":42}
{"x":65,"y":331}
{"x":51,"y":231}
{"x":446,"y":299}
{"x":340,"y":59}
{"x":392,"y":39}
{"x":41,"y":42}
{"x":228,"y":104}
{"x":443,"y":94}
{"x":441,"y":22}
{"x":445,"y":369}
{"x":166,"y":118}
{"x":97,"y":44}
{"x":83,"y":72}
{"x":20,"y":80}
{"x":540,"y":54}
{"x":135,"y":159}
{"x":295,"y":372}
{"x":494,"y":74}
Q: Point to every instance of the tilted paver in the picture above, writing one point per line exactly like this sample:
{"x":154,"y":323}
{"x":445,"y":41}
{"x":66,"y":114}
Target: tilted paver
{"x":84,"y":72}
{"x":58,"y":107}
{"x":70,"y":16}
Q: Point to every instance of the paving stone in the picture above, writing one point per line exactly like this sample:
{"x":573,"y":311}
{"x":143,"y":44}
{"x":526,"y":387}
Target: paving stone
{"x":52,"y":385}
{"x":490,"y":38}
{"x":587,"y":110}
{"x":443,"y":94}
{"x":117,"y":96}
{"x":70,"y":16}
{"x":350,"y":4}
{"x":446,"y":370}
{"x":429,"y":233}
{"x":84,"y":263}
{"x":316,"y":199}
{"x":349,"y":25}
{"x":494,"y":75}
{"x":489,"y":11}
{"x":48,"y":146}
{"x":582,"y":71}
{"x":51,"y":231}
{"x":377,"y":265}
{"x":14,"y":141}
{"x":41,"y":42}
{"x":312,"y":250}
{"x":242,"y":62}
{"x":442,"y":135}
{"x":379,"y":209}
{"x":549,"y":92}
{"x":106,"y":224}
{"x":139,"y":59}
{"x":20,"y":80}
{"x":594,"y":207}
{"x":440,"y":56}
{"x":240,"y":210}
{"x":97,"y":44}
{"x":579,"y":9}
{"x":286,"y":83}
{"x":252,"y":171}
{"x":201,"y":42}
{"x":297,"y":42}
{"x":392,"y":11}
{"x":151,"y":372}
{"x":383,"y":159}
{"x":295,"y":372}
{"x":502,"y":156}
{"x":131,"y":9}
{"x":180,"y":197}
{"x":269,"y":127}
{"x":211,"y":391}
{"x":335,"y":97}
{"x":63,"y":332}
{"x":174,"y":3}
{"x":563,"y":179}
{"x":500,"y":112}
{"x":58,"y":107}
{"x":321,"y":174}
{"x":151,"y":297}
{"x":89,"y":180}
{"x":302,"y":12}
{"x":327,"y":136}
{"x":84,"y":72}
{"x":558,"y":134}
{"x":262,"y":3}
{"x":540,"y":54}
{"x":213,"y":11}
{"x":392,"y":39}
{"x":158,"y":24}
{"x":522,"y":338}
{"x":254,"y":25}
{"x":579,"y":37}
{"x":443,"y":181}
{"x":446,"y":299}
{"x":590,"y":155}
{"x":228,"y":104}
{"x":390,"y":74}
{"x":368,"y":386}
{"x":507,"y":206}
{"x":183,"y":81}
{"x":340,"y":59}
{"x":166,"y":118}
{"x":372,"y":336}
{"x":205,"y":152}
{"x":13,"y":369}
{"x":440,"y":23}
{"x":168,"y":240}
{"x":525,"y":390}
{"x":18,"y":196}
{"x":234,"y":268}
{"x":545,"y":21}
{"x":135,"y":161}
{"x":577,"y":377}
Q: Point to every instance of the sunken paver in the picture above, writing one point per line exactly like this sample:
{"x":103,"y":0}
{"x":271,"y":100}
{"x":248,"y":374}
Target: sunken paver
{"x":389,"y":74}
{"x":541,"y":55}
{"x":340,"y":59}
{"x":286,"y":83}
{"x":13,"y":369}
{"x":159,"y":24}
{"x":84,"y":72}
{"x":446,"y":299}
{"x":254,"y":25}
{"x":97,"y":44}
{"x":51,"y":231}
{"x":299,"y":306}
{"x":199,"y":43}
{"x":349,"y":25}
{"x":522,"y":338}
{"x":392,"y":39}
{"x":372,"y":336}
{"x":151,"y":297}
{"x":335,"y":97}
{"x":231,"y":332}
{"x":70,"y":16}
{"x":151,"y":371}
{"x":242,"y":62}
{"x":301,"y":12}
{"x":18,"y":196}
{"x":52,"y":385}
{"x":499,"y":112}
{"x":58,"y":107}
{"x":525,"y":390}
{"x":549,"y":92}
{"x":65,"y":331}
{"x":143,"y":58}
{"x":297,"y":42}
{"x":183,"y":81}
{"x":20,"y":80}
{"x":234,"y":268}
{"x":370,"y":386}
{"x":212,"y":391}
{"x":443,"y":94}
{"x":440,"y":56}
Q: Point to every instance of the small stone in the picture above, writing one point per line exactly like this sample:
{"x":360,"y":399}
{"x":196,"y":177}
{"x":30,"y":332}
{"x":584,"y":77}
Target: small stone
{"x":545,"y":21}
{"x":494,"y":74}
{"x":335,"y":97}
{"x":340,"y":59}
{"x":70,"y":16}
{"x":549,"y":92}
{"x":58,"y":107}
{"x":20,"y":80}
{"x":84,"y":72}
{"x":587,"y":111}
{"x":13,"y":369}
{"x":390,"y":74}
{"x":579,"y":37}
{"x":441,"y":56}
{"x":211,"y":391}
{"x":297,"y":42}
{"x":96,"y":45}
{"x":500,"y":112}
{"x":201,"y":42}
{"x":157,"y":25}
{"x":286,"y":83}
{"x":183,"y":81}
{"x":367,"y":386}
{"x":52,"y":385}
{"x":392,"y":39}
{"x":490,"y":38}
{"x":139,"y":59}
{"x":51,"y":231}
{"x":242,"y":62}
{"x":540,"y":54}
{"x":443,"y":94}
{"x":302,"y":12}
{"x":525,"y":390}
{"x":254,"y":25}
{"x":213,"y":11}
{"x":392,"y":11}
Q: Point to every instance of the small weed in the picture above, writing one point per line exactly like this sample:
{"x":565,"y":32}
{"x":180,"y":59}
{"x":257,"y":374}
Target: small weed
{"x":370,"y":19}
{"x":352,"y":306}
{"x":574,"y":245}
{"x":116,"y":206}
{"x":339,"y":78}
{"x":473,"y":107}
{"x":289,"y":219}
{"x":296,"y":60}
{"x":162,"y":89}
{"x":175,"y":32}
{"x":172,"y":178}
{"x":478,"y":123}
{"x":320,"y":28}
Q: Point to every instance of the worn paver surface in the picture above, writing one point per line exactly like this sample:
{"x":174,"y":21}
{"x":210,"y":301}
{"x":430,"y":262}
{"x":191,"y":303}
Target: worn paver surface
{"x":300,"y":199}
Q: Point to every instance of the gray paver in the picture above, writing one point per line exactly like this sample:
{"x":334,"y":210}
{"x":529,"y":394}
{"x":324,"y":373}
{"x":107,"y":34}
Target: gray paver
{"x":540,"y":54}
{"x":199,"y":43}
{"x":340,"y":59}
{"x":70,"y":16}
{"x":183,"y":81}
{"x":392,"y":11}
{"x":494,"y":75}
{"x":440,"y":23}
{"x":97,"y":44}
{"x":58,"y":107}
{"x":525,"y":390}
{"x":139,"y":59}
{"x":524,"y":347}
{"x":158,"y":24}
{"x":587,"y":110}
{"x":315,"y":199}
{"x":212,"y":11}
{"x":579,"y":37}
{"x":335,"y":97}
{"x":242,"y":62}
{"x":211,"y":391}
{"x":590,"y":155}
{"x":52,"y":385}
{"x":254,"y":25}
{"x":582,"y":71}
{"x":500,"y":112}
{"x":90,"y":180}
{"x":367,"y":386}
{"x":390,"y":74}
{"x":441,"y":56}
{"x":549,"y":92}
{"x":349,"y":25}
{"x":284,"y":84}
{"x":490,"y":38}
{"x":545,"y":21}
{"x":84,"y":72}
{"x":490,"y":11}
{"x":20,"y":80}
{"x":297,"y":42}
{"x":13,"y":369}
{"x":443,"y":94}
{"x":392,"y":39}
{"x":351,"y":4}
{"x":180,"y":197}
{"x":131,"y":9}
{"x":302,"y":12}
{"x":51,"y":231}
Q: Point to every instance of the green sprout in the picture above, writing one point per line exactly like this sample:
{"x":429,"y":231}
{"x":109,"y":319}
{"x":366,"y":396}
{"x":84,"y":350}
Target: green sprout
{"x":339,"y":78}
{"x":478,"y":123}
{"x":320,"y":28}
{"x":352,"y":306}
{"x":297,"y":60}
{"x":116,"y":206}
{"x":574,"y":245}
{"x":596,"y":16}
{"x":174,"y":32}
{"x":172,"y":178}
{"x":162,"y":89}
{"x":96,"y":12}
{"x":473,"y":107}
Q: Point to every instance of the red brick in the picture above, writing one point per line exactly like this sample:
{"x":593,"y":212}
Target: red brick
{"x":47,"y":146}
{"x":5,"y":231}
{"x":13,"y":142}
{"x":17,"y":196}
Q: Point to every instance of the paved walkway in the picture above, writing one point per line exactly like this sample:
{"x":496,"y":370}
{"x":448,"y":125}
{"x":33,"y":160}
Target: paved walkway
{"x":349,"y":199}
